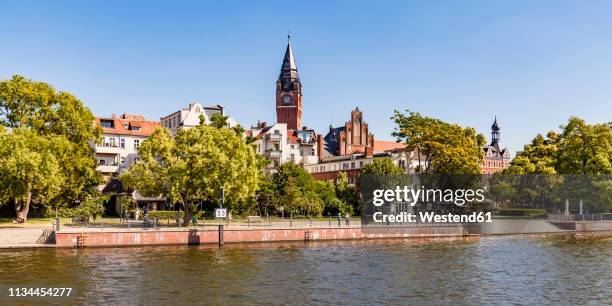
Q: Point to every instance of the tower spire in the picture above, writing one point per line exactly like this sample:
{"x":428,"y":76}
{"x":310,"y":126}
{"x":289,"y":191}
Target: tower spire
{"x":289,"y":71}
{"x":495,"y":133}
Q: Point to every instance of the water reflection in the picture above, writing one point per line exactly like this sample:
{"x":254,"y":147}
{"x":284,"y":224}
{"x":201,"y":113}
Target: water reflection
{"x":491,"y":270}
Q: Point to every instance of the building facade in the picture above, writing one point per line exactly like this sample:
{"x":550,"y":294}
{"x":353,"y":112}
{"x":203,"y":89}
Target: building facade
{"x":190,"y":117}
{"x":495,"y":158}
{"x":350,"y":147}
{"x":353,"y":137}
{"x":121,"y":137}
{"x":280,"y":144}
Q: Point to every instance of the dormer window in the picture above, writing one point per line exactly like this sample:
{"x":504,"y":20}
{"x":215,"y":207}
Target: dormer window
{"x":107,"y":124}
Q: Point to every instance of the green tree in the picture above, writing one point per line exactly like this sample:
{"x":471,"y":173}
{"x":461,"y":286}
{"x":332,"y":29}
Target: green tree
{"x":579,"y":148}
{"x":218,"y":121}
{"x":448,"y":148}
{"x":584,"y":148}
{"x":538,"y":157}
{"x":347,"y":193}
{"x":66,"y":128}
{"x":297,"y":190}
{"x":30,"y":171}
{"x":194,"y":166}
{"x":381,"y":166}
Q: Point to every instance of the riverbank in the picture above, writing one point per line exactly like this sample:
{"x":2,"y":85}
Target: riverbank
{"x":79,"y":236}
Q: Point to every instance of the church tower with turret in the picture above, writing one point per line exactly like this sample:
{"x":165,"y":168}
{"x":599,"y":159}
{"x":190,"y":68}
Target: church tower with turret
{"x":289,"y":92}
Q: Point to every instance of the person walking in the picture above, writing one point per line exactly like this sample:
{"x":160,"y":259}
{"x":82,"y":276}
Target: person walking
{"x":177,"y":217}
{"x":339,"y":219}
{"x":348,"y":219}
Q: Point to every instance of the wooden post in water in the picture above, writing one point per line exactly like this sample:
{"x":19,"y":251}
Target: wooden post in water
{"x":221,"y":234}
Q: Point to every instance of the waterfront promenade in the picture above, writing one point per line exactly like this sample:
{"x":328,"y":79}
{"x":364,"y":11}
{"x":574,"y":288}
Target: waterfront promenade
{"x":210,"y":232}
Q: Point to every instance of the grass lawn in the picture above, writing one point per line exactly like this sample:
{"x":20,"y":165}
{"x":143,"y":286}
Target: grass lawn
{"x":8,"y":222}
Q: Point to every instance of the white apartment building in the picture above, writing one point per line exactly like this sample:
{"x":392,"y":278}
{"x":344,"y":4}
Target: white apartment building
{"x":281,"y":145}
{"x":121,"y":136}
{"x":190,"y":117}
{"x":329,"y":167}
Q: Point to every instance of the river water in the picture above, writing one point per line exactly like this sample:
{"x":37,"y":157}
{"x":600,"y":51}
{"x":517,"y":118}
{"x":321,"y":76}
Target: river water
{"x":488,"y":270}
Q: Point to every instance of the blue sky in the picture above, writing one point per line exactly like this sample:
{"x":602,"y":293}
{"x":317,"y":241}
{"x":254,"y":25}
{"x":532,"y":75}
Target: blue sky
{"x":531,"y":63}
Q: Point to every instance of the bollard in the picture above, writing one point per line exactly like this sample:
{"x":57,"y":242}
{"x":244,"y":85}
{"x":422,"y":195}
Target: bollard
{"x":220,"y":234}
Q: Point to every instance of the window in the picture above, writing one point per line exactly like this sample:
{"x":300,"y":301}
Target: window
{"x":102,"y":162}
{"x":136,"y":143}
{"x":122,"y":142}
{"x":107,"y":124}
{"x":122,"y":160}
{"x":112,"y":142}
{"x":353,"y":165}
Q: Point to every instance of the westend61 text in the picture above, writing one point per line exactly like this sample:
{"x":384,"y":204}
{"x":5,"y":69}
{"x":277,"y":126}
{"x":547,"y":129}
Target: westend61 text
{"x":404,"y":217}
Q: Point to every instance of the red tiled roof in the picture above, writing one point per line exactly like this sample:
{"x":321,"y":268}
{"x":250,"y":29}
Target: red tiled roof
{"x":123,"y":125}
{"x":383,"y":146}
{"x":292,"y":137}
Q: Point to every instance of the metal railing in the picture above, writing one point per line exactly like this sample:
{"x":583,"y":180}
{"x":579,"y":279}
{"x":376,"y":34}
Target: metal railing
{"x":579,"y":218}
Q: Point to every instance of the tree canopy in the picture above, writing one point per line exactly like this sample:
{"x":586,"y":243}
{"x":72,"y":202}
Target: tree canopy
{"x":579,"y":148}
{"x":448,"y":148}
{"x":54,"y":129}
{"x":194,"y":166}
{"x":381,"y":166}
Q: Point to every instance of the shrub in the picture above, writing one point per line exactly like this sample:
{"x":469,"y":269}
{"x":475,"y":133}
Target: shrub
{"x":521,"y":212}
{"x":165,"y":214}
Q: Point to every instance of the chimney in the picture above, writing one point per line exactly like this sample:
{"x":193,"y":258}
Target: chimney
{"x":320,"y":146}
{"x":114,"y":116}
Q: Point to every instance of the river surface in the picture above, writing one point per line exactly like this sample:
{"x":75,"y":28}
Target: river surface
{"x":489,"y":270}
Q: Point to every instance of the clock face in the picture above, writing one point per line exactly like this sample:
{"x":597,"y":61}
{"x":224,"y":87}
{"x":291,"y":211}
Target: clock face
{"x":287,"y":99}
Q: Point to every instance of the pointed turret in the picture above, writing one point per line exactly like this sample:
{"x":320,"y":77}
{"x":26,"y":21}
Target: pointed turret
{"x":495,"y":134}
{"x":495,"y":126}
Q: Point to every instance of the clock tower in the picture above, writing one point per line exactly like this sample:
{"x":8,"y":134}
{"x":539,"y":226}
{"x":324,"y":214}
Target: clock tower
{"x":289,"y":92}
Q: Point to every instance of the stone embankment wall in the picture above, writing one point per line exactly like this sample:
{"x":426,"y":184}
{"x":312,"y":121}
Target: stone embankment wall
{"x":200,"y":236}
